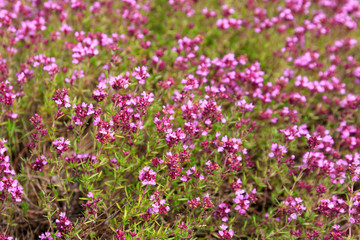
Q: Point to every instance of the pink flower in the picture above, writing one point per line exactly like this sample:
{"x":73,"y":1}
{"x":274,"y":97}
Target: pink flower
{"x":141,"y":74}
{"x":99,"y":94}
{"x":119,"y":81}
{"x":46,"y":236}
{"x":278,"y":151}
{"x":147,"y":176}
{"x":61,"y":145}
{"x":63,"y":224}
{"x":159,"y":207}
{"x":65,"y":28}
{"x":39,"y":163}
{"x":224,"y":233}
{"x":62,"y":98}
{"x":244,"y":106}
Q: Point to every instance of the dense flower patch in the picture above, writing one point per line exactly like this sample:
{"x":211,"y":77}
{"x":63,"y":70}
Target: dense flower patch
{"x":179,"y":119}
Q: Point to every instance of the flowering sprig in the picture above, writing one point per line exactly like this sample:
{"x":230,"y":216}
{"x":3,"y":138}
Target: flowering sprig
{"x":147,"y":176}
{"x":61,"y":145}
{"x":63,"y":225}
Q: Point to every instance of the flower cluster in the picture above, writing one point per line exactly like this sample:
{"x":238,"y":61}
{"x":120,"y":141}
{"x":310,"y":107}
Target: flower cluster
{"x":61,"y":145}
{"x":39,"y":164}
{"x":147,"y":176}
{"x":63,"y":225}
{"x":224,"y":233}
{"x":91,"y":205}
{"x":41,"y":131}
{"x":292,"y":207}
{"x":61,"y":98}
{"x":10,"y":189}
{"x":141,"y":74}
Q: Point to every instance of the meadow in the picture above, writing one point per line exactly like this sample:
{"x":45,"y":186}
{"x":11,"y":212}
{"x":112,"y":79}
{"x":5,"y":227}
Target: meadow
{"x":179,"y":119}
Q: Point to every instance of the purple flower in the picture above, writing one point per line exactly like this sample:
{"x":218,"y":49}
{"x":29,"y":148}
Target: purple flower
{"x":62,"y":98}
{"x":61,"y":145}
{"x":141,"y":74}
{"x":63,"y":224}
{"x":224,"y":233}
{"x":39,"y":163}
{"x":147,"y":176}
{"x":46,"y":236}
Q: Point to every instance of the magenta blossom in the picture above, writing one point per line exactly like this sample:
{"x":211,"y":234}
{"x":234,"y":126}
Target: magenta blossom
{"x":61,"y":145}
{"x":224,"y":233}
{"x":63,"y":224}
{"x":46,"y":236}
{"x":141,"y":74}
{"x":147,"y":176}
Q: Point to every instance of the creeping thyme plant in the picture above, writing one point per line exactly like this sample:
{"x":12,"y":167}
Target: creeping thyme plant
{"x":179,"y":119}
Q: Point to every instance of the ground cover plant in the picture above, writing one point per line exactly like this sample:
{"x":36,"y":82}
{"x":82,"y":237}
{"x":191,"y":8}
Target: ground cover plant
{"x":179,"y":119}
